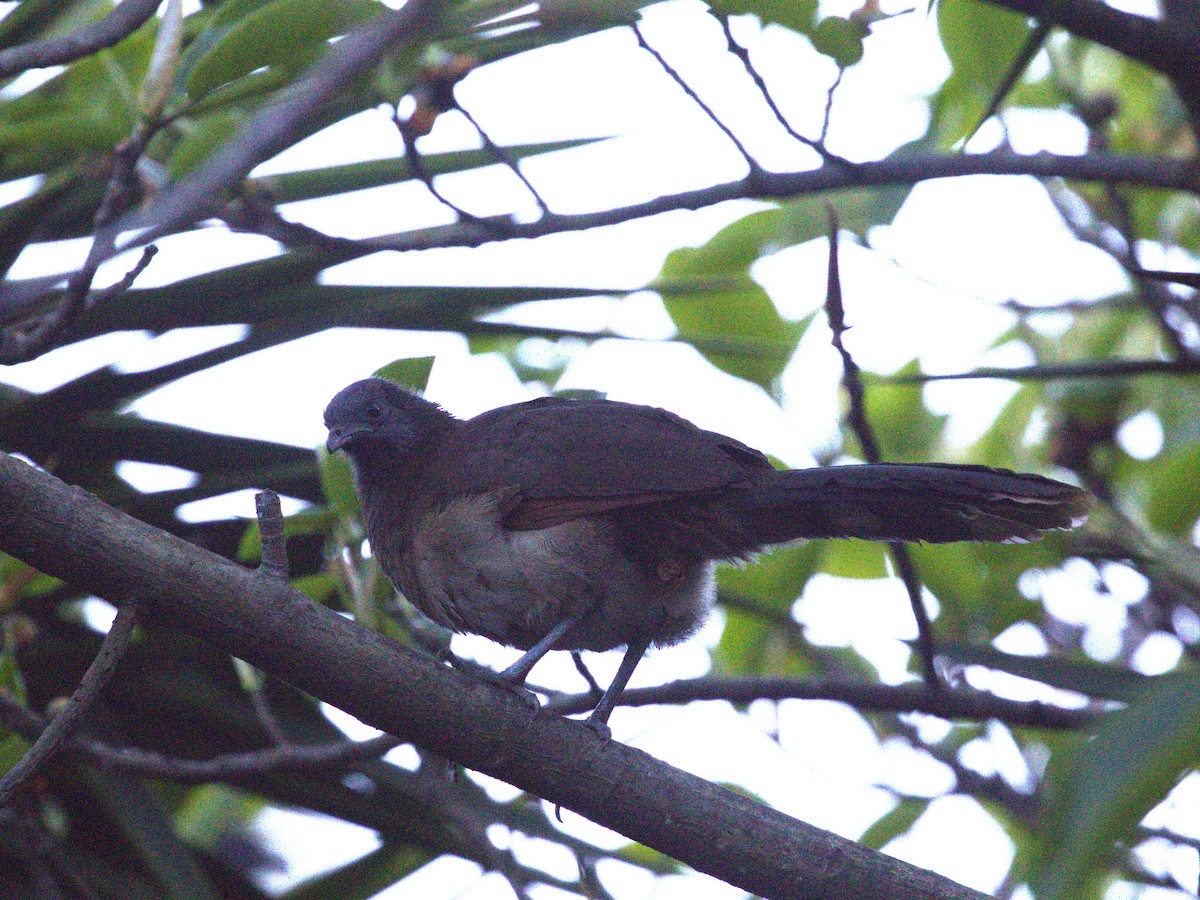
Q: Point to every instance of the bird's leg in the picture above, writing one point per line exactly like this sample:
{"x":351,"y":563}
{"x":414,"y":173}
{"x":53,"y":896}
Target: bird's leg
{"x":598,"y":720}
{"x":516,"y":673}
{"x":582,"y":669}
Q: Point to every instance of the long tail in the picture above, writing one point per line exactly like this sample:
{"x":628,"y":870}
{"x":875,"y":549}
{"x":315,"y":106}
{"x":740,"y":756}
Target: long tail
{"x":898,"y":502}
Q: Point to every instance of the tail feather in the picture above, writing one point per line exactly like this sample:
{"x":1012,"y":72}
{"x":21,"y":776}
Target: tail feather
{"x":898,"y":502}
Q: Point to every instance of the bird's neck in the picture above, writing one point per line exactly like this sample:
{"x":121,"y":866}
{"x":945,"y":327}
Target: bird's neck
{"x":393,"y":482}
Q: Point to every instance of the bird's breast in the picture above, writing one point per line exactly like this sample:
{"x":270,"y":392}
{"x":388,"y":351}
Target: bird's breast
{"x":461,"y":567}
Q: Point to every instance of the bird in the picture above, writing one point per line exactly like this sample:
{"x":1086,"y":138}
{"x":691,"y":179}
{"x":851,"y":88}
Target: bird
{"x":593,"y":524}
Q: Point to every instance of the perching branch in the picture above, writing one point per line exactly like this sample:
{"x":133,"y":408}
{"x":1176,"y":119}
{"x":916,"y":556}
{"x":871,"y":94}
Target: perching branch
{"x":72,"y":535}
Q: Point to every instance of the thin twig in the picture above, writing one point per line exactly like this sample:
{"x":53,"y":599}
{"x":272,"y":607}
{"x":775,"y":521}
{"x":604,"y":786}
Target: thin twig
{"x":1108,"y":368}
{"x":127,"y":280}
{"x":250,"y":212}
{"x":743,"y":54}
{"x":116,"y":642}
{"x":582,"y":669}
{"x":505,"y":157}
{"x":21,"y":341}
{"x":413,"y":155}
{"x":1191,"y":279}
{"x":1021,"y":805}
{"x":138,"y":761}
{"x":1119,"y":242}
{"x":1154,"y":295}
{"x":910,"y":697}
{"x":857,"y":420}
{"x":232,"y":765}
{"x":755,"y":168}
{"x":273,"y":561}
{"x":829,"y":105}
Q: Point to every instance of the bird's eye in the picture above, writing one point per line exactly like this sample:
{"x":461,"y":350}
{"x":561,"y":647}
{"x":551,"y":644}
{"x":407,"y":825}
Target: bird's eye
{"x":374,"y":413}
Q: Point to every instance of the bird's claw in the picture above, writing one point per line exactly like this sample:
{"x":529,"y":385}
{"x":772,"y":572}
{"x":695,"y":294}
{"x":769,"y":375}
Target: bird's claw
{"x":529,"y":698}
{"x":601,"y":728}
{"x":497,"y":679}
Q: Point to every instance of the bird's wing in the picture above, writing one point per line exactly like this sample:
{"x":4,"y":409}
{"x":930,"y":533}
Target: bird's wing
{"x":572,"y":458}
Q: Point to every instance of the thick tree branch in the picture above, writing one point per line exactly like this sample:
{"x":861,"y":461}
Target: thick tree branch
{"x":68,"y":533}
{"x":1152,"y":42}
{"x":1165,"y":44}
{"x":123,"y":21}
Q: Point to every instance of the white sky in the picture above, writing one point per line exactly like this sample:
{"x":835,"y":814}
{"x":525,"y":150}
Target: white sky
{"x":955,"y":249}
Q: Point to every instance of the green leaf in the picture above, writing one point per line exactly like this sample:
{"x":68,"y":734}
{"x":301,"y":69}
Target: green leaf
{"x":855,"y":559}
{"x":795,"y":14}
{"x":840,"y":39}
{"x":200,"y":138}
{"x":893,"y":824}
{"x":905,"y":429}
{"x":977,"y":584}
{"x":1172,"y":490}
{"x":210,"y":811}
{"x":337,"y":480}
{"x":750,"y":642}
{"x":318,"y":588}
{"x":722,"y":311}
{"x":719,"y":308}
{"x":1092,"y":679}
{"x":858,"y":210}
{"x":1003,"y":444}
{"x":652,"y":860}
{"x":306,"y":184}
{"x":982,"y":40}
{"x":776,"y":579}
{"x":571,"y":18}
{"x":262,"y":39}
{"x":1102,"y":791}
{"x":363,"y":878}
{"x":312,"y":521}
{"x":412,"y":373}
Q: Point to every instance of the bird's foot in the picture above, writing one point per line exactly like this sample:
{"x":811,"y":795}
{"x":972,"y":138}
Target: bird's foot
{"x":601,"y":728}
{"x":499,"y":679}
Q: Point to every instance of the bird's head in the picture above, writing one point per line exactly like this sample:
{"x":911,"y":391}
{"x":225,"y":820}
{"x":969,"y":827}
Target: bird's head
{"x":375,"y":416}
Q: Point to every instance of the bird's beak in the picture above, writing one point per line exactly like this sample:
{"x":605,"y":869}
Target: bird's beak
{"x":341,"y":435}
